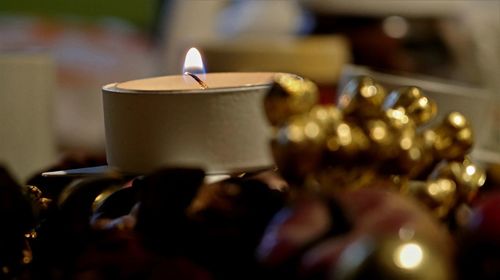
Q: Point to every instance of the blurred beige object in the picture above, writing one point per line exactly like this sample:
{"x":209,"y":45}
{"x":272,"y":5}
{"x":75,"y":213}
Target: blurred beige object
{"x":414,"y":8}
{"x":86,"y":56}
{"x":319,"y":58}
{"x":26,"y":97}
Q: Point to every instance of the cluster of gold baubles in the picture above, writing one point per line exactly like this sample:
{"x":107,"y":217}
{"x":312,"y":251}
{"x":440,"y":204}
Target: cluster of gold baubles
{"x":372,"y":137}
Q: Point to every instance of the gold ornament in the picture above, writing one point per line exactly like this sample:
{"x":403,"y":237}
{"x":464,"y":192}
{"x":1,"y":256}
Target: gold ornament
{"x":362,"y":98}
{"x":412,"y":101}
{"x":369,"y":138}
{"x":398,"y":119}
{"x":468,"y":177}
{"x":407,"y":156}
{"x":289,"y":95}
{"x":298,"y":147}
{"x":383,"y":139}
{"x":328,"y":117}
{"x":453,"y":138}
{"x":347,"y":142}
{"x":438,"y":195}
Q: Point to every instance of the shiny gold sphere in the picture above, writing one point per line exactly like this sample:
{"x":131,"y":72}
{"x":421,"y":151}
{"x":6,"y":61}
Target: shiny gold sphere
{"x":413,"y":102}
{"x":361,"y":98}
{"x":383,"y":139}
{"x":453,"y":138}
{"x":346,"y":143}
{"x":398,"y":119}
{"x":328,"y":116}
{"x":439,"y":195}
{"x":289,"y":95}
{"x":380,"y":132}
{"x":408,"y":155}
{"x":297,"y":147}
{"x":468,"y":177}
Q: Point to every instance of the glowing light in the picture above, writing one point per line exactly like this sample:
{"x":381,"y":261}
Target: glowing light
{"x":397,"y":114}
{"x":294,"y":133}
{"x":311,"y":130}
{"x":344,"y":134}
{"x":406,"y":143}
{"x":408,"y":256}
{"x":379,"y":133}
{"x":464,"y":134}
{"x":415,"y":153}
{"x":441,"y":188}
{"x":369,"y":91}
{"x":321,"y":114}
{"x":433,"y":188}
{"x":457,"y":119}
{"x":471,"y":169}
{"x":423,"y":101}
{"x":395,"y":27}
{"x":446,"y":185}
{"x":193,"y":63}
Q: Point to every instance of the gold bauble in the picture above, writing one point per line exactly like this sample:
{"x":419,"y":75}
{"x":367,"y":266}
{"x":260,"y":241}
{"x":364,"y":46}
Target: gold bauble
{"x":407,"y":156}
{"x":289,"y":95}
{"x":362,"y":98}
{"x":413,"y":102}
{"x":328,"y":117}
{"x":468,"y":177}
{"x":438,"y":195}
{"x":453,"y":138}
{"x":298,"y":147}
{"x":346,"y":143}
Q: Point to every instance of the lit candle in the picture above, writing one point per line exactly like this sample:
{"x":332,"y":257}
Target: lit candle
{"x":176,"y":121}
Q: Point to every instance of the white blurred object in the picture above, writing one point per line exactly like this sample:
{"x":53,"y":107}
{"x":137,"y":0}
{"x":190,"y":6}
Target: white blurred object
{"x":482,"y":20}
{"x":27,"y":84}
{"x":319,"y":58}
{"x":186,"y":24}
{"x":190,"y":23}
{"x":271,"y":19}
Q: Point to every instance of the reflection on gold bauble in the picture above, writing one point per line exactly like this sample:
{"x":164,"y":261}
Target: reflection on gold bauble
{"x":412,"y":101}
{"x":391,"y":258}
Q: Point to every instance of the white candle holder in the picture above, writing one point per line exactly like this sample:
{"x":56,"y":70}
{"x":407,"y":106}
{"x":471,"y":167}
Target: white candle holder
{"x":168,"y":121}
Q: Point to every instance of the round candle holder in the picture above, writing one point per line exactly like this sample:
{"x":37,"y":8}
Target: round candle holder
{"x":170,"y":121}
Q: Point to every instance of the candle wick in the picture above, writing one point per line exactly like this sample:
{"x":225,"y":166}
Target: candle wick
{"x":200,"y":82}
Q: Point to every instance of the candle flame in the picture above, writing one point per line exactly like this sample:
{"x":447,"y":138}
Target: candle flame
{"x":193,"y":63}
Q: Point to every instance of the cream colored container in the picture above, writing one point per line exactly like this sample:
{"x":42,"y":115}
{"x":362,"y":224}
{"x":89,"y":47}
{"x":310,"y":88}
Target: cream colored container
{"x":171,"y":121}
{"x":27,"y":84}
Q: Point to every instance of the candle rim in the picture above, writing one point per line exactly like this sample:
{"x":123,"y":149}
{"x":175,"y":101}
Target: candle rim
{"x":111,"y":88}
{"x":115,"y":88}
